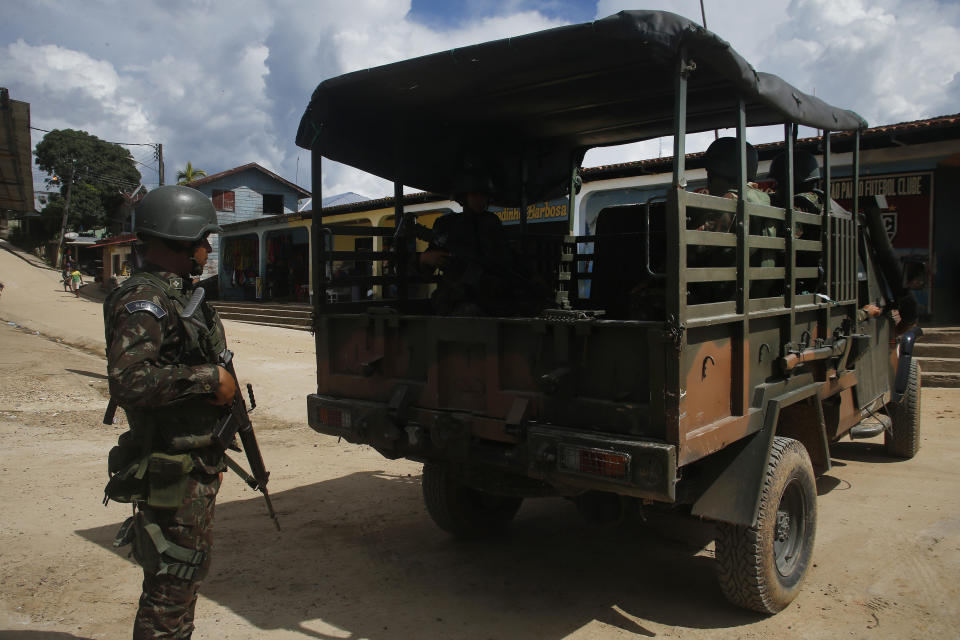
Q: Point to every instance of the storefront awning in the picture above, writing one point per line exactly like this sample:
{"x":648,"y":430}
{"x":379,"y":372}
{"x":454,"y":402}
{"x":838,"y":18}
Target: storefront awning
{"x":115,"y":242}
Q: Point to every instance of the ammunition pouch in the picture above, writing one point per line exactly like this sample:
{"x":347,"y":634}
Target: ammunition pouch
{"x":127,"y":473}
{"x":168,"y":479}
{"x":160,"y":480}
{"x":157,"y":555}
{"x":126,"y":452}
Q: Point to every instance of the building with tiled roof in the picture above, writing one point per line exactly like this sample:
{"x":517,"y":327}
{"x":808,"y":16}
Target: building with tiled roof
{"x":247,"y":192}
{"x":915,"y":164}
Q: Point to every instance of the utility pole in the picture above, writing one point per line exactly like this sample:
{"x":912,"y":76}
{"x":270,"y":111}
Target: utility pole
{"x":160,"y":161}
{"x":66,"y":212}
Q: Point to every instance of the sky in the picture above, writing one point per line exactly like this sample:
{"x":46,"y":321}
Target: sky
{"x":221,"y":83}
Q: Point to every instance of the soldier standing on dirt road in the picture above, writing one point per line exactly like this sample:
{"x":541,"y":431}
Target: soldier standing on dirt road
{"x":161,"y":364}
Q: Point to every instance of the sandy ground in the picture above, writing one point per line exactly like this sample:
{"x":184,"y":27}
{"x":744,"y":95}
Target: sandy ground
{"x":359,"y":557}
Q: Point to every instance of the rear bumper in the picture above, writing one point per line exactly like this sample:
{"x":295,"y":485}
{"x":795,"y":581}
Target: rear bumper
{"x":570,"y":460}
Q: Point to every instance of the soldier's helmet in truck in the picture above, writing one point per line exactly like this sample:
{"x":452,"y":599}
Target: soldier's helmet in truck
{"x":670,"y":365}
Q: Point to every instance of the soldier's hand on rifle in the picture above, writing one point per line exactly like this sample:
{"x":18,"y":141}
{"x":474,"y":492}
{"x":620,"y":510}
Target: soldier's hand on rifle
{"x":226,"y":389}
{"x":872,"y":310}
{"x":434,"y":258}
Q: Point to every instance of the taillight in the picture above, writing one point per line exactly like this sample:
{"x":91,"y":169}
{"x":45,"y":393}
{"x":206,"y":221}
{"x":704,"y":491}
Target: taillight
{"x":333,"y":417}
{"x":594,"y":462}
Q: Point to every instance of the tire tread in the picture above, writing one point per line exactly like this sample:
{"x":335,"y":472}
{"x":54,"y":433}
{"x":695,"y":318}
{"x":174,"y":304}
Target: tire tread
{"x":739,"y":549}
{"x":902,"y":440}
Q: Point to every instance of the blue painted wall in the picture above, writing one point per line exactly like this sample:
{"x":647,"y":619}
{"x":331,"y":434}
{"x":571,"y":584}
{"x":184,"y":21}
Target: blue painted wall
{"x":249,"y":187}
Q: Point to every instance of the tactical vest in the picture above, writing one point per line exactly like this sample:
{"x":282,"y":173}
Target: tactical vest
{"x":202,"y":342}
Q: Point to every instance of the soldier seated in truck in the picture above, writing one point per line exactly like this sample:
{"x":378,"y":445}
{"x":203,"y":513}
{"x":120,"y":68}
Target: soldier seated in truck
{"x":720,"y":161}
{"x":479,"y":274}
{"x":807,"y":195}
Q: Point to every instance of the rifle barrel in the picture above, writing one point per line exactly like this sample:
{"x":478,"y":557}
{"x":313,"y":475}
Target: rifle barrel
{"x":243,"y":427}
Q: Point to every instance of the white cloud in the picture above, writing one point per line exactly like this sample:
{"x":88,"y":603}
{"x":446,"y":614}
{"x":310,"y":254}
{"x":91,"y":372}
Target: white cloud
{"x":224,"y":83}
{"x":85,"y":93}
{"x":890,"y":60}
{"x":349,"y":44}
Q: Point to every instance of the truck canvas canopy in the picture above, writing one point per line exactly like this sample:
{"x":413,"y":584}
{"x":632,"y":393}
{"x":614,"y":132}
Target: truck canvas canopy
{"x":544,"y":99}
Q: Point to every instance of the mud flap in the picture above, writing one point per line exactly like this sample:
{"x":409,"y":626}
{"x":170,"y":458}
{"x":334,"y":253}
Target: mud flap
{"x":735,"y":475}
{"x":907,"y":341}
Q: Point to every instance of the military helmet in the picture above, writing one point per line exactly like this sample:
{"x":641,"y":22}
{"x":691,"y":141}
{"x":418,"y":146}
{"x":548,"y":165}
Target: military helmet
{"x":721,"y":159}
{"x":176,"y":213}
{"x":806,"y":170}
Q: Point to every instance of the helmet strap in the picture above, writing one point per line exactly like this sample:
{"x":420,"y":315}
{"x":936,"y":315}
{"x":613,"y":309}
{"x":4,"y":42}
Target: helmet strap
{"x":196,"y":268}
{"x":189,"y":248}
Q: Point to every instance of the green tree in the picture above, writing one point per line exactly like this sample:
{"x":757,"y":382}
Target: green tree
{"x":189,"y":174}
{"x":102,"y":173}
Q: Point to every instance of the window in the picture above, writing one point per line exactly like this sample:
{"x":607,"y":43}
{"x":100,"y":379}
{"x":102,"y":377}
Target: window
{"x":224,"y":200}
{"x":272,"y":203}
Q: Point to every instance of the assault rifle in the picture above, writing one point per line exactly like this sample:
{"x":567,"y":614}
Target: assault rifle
{"x":237,"y":422}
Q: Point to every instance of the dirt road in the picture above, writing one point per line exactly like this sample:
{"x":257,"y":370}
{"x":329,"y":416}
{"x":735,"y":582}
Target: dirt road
{"x":359,"y":558}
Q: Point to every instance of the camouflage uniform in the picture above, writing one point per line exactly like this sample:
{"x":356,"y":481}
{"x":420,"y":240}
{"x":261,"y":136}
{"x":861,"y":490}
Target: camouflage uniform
{"x":162,"y":371}
{"x":704,"y":257}
{"x":465,"y":287}
{"x":753,"y":195}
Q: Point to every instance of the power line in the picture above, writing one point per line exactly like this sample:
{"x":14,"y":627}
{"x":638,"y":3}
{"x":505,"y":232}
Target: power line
{"x":125,"y":144}
{"x":157,"y":153}
{"x":146,"y":165}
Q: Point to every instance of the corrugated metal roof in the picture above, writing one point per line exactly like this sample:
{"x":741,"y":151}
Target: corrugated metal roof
{"x":249,"y":165}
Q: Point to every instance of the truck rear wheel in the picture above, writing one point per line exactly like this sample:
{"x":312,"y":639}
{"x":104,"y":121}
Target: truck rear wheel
{"x":762,"y":567}
{"x":903,"y":438}
{"x":461,"y":510}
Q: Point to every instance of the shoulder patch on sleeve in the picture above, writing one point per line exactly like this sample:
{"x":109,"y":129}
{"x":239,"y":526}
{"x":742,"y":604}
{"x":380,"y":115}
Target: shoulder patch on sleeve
{"x":145,"y":305}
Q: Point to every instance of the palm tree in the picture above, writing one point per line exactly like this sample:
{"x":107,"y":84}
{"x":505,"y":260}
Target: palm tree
{"x":188,"y":175}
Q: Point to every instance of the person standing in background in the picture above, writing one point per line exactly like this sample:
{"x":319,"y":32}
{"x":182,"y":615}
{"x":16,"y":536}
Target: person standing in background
{"x":76,"y":279}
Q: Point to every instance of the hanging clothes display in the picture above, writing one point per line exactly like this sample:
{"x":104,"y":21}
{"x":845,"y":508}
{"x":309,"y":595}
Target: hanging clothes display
{"x":241,"y":260}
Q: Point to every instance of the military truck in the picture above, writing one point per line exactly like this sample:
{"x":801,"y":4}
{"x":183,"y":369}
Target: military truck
{"x":671,"y":369}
